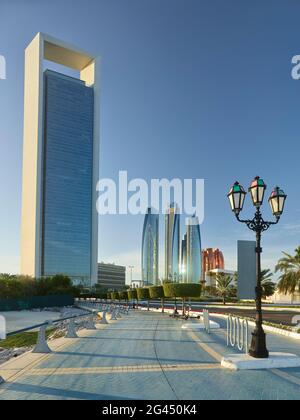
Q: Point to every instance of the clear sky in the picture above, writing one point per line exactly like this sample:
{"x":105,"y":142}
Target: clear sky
{"x":190,"y":89}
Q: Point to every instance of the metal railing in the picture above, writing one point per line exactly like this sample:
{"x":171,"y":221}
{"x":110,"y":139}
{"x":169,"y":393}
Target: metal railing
{"x":238,"y":333}
{"x":85,"y":320}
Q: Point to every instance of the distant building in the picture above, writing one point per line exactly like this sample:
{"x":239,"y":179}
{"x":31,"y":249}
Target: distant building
{"x":60,"y":163}
{"x":111,"y":276}
{"x":150,"y":248}
{"x":183,"y":261}
{"x":288,"y":299}
{"x":193,"y":251}
{"x":172,"y":243}
{"x":135,"y":284}
{"x":212,"y":259}
{"x":210,"y":279}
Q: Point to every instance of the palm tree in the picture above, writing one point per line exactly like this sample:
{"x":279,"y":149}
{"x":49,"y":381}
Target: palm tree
{"x":289,"y":266}
{"x":224,"y":287}
{"x":267,"y":284}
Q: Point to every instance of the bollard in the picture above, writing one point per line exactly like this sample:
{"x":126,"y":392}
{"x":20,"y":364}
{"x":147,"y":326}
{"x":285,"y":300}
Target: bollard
{"x":71,"y":331}
{"x":41,"y":345}
{"x":104,"y":320}
{"x":90,"y":325}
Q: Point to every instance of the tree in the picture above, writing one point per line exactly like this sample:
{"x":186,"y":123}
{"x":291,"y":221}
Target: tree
{"x":268,"y":285}
{"x":183,"y":291}
{"x":115,"y":295}
{"x":157,"y":292}
{"x":20,"y":286}
{"x":143,"y":294}
{"x":123,"y":295}
{"x":224,"y":287}
{"x":210,"y":291}
{"x":132,"y":294}
{"x":289,"y":266}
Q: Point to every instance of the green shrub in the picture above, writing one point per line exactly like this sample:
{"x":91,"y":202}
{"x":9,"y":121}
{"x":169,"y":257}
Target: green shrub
{"x":13,"y":287}
{"x":123,"y":295}
{"x":115,"y":295}
{"x":143,"y":293}
{"x":156,"y":292}
{"x":132,"y":294}
{"x":182,"y":290}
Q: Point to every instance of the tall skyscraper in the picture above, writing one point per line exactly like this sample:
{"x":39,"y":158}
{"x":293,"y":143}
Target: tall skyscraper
{"x":150,"y":248}
{"x":193,"y":251}
{"x":172,"y":243}
{"x":60,"y":163}
{"x":183,"y":261}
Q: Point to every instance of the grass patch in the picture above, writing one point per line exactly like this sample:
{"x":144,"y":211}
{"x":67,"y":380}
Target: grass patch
{"x":26,"y":339}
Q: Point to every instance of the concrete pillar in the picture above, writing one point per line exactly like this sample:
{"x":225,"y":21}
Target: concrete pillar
{"x":41,"y":345}
{"x":113,"y":316}
{"x":90,"y":325}
{"x":104,"y":320}
{"x":71,"y":331}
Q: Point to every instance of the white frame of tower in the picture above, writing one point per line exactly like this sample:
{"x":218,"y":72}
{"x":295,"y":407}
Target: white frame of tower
{"x":44,"y":47}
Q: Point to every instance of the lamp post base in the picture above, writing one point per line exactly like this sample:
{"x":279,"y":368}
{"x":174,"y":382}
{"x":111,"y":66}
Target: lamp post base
{"x":258,"y":347}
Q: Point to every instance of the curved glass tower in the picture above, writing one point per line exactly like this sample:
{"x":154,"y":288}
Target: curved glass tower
{"x":150,"y":248}
{"x":193,"y":251}
{"x":172,"y":244}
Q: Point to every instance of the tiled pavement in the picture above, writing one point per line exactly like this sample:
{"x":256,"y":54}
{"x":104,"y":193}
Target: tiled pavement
{"x":148,"y":356}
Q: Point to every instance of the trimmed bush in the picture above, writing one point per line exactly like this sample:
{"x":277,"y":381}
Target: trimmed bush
{"x":132,"y":294}
{"x":123,"y":295}
{"x":157,"y":292}
{"x":115,"y":295}
{"x":183,"y":291}
{"x":143,"y":293}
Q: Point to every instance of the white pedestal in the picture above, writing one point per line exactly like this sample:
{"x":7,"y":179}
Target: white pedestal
{"x":246,"y":362}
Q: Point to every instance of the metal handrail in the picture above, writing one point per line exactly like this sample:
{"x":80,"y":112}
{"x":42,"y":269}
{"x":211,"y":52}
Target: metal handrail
{"x":50,"y":322}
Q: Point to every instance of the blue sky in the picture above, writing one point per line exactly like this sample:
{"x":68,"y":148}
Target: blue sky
{"x":190,"y":89}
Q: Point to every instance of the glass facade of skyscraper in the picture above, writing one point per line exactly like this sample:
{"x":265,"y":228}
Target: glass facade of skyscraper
{"x":150,"y":245}
{"x":193,"y":250}
{"x":172,"y":244}
{"x":67,"y":177}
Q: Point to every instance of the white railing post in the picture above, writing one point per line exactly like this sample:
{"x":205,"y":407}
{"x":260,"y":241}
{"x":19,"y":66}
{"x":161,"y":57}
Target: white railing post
{"x":41,"y":345}
{"x":71,"y":331}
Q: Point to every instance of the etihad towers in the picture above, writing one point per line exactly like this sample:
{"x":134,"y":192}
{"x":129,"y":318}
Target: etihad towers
{"x":150,"y":248}
{"x":193,"y":251}
{"x":172,"y":243}
{"x":60,"y":162}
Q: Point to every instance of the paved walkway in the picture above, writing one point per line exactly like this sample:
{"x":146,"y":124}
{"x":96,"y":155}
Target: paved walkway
{"x":148,"y":356}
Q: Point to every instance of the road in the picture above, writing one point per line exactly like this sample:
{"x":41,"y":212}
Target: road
{"x":148,"y":356}
{"x":284,"y":316}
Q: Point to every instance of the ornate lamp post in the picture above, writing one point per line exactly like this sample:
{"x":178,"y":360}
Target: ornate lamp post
{"x":277,"y":199}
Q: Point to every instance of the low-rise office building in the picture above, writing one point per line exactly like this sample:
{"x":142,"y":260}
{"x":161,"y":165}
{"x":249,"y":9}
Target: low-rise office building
{"x":111,"y":276}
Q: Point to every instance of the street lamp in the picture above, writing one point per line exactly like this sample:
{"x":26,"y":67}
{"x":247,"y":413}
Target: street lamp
{"x":277,"y":199}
